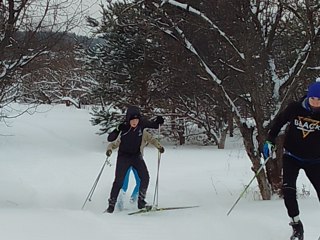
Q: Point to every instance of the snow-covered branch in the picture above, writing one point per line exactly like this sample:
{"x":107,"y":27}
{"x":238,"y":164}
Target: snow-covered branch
{"x":215,"y":78}
{"x":192,"y":10}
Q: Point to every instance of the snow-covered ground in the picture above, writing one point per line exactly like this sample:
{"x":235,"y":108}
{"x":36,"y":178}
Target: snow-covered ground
{"x":50,"y":160}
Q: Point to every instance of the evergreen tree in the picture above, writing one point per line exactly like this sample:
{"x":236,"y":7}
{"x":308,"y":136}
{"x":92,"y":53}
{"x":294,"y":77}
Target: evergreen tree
{"x":127,"y":61}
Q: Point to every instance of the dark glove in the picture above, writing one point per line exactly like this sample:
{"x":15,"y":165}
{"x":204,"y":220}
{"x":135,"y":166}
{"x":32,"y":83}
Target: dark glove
{"x":159,"y":120}
{"x":161,"y":150}
{"x":268,"y":148}
{"x":121,"y":127}
{"x":109,"y":152}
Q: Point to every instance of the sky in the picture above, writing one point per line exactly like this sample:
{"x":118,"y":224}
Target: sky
{"x":90,"y":8}
{"x":51,"y":157}
{"x":64,"y":14}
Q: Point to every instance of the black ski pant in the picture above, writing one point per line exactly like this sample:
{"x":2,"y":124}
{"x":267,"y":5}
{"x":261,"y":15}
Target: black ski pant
{"x":291,"y":168}
{"x":124,"y":162}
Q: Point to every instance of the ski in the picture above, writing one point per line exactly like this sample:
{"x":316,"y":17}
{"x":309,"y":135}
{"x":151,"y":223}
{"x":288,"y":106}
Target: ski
{"x":156,"y":209}
{"x":143,"y":210}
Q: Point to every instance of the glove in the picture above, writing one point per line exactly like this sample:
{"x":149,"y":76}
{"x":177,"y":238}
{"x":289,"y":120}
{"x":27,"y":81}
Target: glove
{"x":159,"y":120}
{"x":109,"y":152}
{"x":268,"y":148}
{"x":161,"y":150}
{"x":121,"y":127}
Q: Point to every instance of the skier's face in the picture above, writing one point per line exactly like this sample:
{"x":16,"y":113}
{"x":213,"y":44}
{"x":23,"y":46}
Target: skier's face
{"x":134,"y":122}
{"x":314,"y":102}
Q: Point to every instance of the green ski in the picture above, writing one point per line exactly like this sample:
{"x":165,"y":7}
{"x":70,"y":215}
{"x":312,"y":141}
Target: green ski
{"x":156,"y":209}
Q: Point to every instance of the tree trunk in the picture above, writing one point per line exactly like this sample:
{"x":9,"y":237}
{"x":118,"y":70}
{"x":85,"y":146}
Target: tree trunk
{"x":263,"y":183}
{"x":180,"y":131}
{"x":274,"y":168}
{"x":222,"y":141}
{"x":230,"y":125}
{"x":264,"y":187}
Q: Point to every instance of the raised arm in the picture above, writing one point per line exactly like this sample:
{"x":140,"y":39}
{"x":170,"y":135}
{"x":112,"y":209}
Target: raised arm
{"x":280,"y":120}
{"x":115,"y":133}
{"x":152,"y":123}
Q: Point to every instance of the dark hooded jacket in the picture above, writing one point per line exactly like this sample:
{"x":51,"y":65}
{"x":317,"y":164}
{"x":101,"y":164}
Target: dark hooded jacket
{"x":132,"y":112}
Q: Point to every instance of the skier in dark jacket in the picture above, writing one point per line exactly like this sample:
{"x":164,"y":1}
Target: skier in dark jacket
{"x":133,"y":138}
{"x":144,"y":123}
{"x":301,"y":149}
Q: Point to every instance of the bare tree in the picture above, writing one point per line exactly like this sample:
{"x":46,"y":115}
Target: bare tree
{"x":30,"y":29}
{"x":260,"y":50}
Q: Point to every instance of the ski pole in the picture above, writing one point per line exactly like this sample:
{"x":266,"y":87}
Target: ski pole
{"x":156,"y":190}
{"x":96,"y":182}
{"x":245,"y":189}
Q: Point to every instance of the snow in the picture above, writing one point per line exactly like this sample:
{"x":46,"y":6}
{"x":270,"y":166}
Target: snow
{"x":50,"y":160}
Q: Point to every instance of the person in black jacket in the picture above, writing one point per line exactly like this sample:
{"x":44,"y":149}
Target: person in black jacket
{"x":133,"y":138}
{"x":301,"y":149}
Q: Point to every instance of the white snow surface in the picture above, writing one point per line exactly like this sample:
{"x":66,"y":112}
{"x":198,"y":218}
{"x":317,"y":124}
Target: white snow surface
{"x":50,"y":160}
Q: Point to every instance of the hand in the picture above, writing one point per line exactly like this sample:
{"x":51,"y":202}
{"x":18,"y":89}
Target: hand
{"x":268,"y":148}
{"x":121,"y":127}
{"x":109,"y":152}
{"x":159,"y":120}
{"x":161,"y":149}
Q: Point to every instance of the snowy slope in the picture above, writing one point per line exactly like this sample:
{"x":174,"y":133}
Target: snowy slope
{"x":50,"y":160}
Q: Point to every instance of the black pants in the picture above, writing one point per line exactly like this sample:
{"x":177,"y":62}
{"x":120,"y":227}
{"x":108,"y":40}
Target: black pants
{"x":291,"y":168}
{"x":124,"y":162}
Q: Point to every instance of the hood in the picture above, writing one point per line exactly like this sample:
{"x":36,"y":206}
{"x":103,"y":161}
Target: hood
{"x":132,"y":113}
